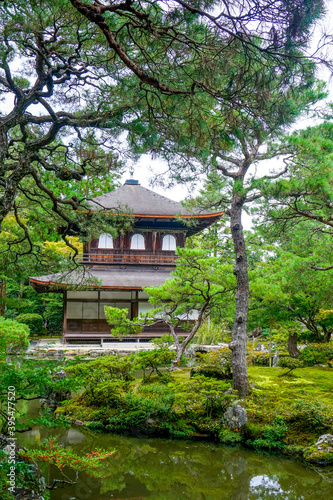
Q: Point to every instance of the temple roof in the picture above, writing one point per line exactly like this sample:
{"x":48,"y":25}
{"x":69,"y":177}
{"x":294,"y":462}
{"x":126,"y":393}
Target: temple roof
{"x":141,"y":201}
{"x":97,"y":278}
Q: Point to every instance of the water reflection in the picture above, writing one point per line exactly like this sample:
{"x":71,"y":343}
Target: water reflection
{"x":158,"y":469}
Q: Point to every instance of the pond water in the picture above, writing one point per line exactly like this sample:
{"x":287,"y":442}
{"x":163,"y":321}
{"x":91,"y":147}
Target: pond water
{"x":160,"y":469}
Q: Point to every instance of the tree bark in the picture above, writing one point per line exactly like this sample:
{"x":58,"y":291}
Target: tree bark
{"x":3,"y":292}
{"x":292,"y":345}
{"x":239,"y":337}
{"x":327,"y":334}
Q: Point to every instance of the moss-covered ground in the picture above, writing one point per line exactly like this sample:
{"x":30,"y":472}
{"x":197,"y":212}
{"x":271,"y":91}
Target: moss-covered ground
{"x":286,"y":414}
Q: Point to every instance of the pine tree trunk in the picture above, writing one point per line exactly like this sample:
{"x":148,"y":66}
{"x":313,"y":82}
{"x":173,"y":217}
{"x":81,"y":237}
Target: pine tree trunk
{"x":292,"y":345}
{"x":327,"y":334}
{"x":20,"y":296}
{"x":3,"y":294}
{"x":239,"y":337}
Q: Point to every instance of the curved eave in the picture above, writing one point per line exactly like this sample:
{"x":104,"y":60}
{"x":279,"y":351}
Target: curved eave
{"x":175,"y":221}
{"x":158,"y":216}
{"x":52,"y":286}
{"x":215,"y":215}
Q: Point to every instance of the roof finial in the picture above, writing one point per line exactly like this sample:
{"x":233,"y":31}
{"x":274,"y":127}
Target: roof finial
{"x":131,"y":180}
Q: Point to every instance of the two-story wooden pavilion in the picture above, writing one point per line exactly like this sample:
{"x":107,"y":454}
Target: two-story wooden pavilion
{"x":122,"y":266}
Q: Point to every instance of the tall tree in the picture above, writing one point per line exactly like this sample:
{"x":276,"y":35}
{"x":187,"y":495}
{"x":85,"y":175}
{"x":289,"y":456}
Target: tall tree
{"x":56,"y":88}
{"x":296,"y":209}
{"x":73,"y":53}
{"x":285,"y":289}
{"x":227,"y":139}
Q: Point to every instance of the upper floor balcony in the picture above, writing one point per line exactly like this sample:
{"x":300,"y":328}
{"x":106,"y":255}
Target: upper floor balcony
{"x":104,"y":256}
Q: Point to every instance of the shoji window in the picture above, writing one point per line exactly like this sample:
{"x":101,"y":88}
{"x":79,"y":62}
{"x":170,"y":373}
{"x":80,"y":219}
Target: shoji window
{"x":169,"y":242}
{"x":137,"y":242}
{"x":105,"y":241}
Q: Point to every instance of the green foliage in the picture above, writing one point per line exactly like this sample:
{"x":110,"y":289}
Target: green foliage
{"x":317,"y":354}
{"x":4,"y":470}
{"x":33,"y":379}
{"x":310,"y":416}
{"x":291,"y":363}
{"x":211,"y":333}
{"x":53,"y":312}
{"x":34,"y":322}
{"x":26,"y":476}
{"x":120,"y":325}
{"x":13,"y":336}
{"x":104,"y":379}
{"x":287,"y":292}
{"x":257,"y":358}
{"x":229,"y":437}
{"x":64,"y":457}
{"x":150,"y":362}
{"x":211,"y":372}
{"x":201,"y":285}
{"x":215,"y":364}
{"x":272,"y":436}
{"x":318,"y":457}
{"x":172,"y":406}
{"x":299,"y":205}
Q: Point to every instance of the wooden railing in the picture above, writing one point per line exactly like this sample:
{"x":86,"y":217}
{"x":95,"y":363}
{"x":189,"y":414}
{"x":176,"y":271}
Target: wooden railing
{"x":129,"y":257}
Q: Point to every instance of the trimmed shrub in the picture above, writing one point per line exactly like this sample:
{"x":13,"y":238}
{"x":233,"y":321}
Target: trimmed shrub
{"x":211,"y":372}
{"x":34,"y":321}
{"x":13,"y":336}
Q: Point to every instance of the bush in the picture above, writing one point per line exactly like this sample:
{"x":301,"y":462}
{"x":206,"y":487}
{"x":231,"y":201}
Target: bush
{"x":209,"y":333}
{"x":104,"y":379}
{"x":151,"y":361}
{"x":211,"y":372}
{"x":53,"y":313}
{"x":291,"y":363}
{"x":34,"y":321}
{"x":310,"y":416}
{"x":272,"y":436}
{"x":13,"y":336}
{"x":257,"y":358}
{"x":229,"y":437}
{"x":317,"y":354}
{"x":218,"y":361}
{"x":174,"y":408}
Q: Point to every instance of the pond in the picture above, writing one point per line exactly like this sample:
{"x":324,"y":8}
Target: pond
{"x":160,"y":469}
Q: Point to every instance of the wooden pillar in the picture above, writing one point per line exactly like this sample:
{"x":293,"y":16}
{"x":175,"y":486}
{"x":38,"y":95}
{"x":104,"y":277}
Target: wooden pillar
{"x":135,"y":306}
{"x":154,"y":242}
{"x":64,"y":315}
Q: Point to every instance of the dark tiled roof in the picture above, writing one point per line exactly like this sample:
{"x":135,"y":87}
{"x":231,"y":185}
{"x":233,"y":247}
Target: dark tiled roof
{"x":140,"y":201}
{"x":105,"y":278}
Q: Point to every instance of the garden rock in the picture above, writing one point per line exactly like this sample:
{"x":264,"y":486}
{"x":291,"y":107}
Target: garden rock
{"x":256,"y":332}
{"x":235,"y":417}
{"x":276,"y":359}
{"x":325,"y":442}
{"x":321,"y":452}
{"x":260,"y":347}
